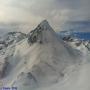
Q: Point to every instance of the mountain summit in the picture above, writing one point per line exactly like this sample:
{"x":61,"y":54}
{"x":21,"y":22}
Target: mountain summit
{"x":41,"y":32}
{"x":44,"y":25}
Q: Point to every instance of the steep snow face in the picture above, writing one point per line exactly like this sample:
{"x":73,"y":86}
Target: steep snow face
{"x":41,"y":60}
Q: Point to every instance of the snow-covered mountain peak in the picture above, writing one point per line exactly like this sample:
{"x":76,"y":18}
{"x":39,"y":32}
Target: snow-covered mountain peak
{"x":42,"y":33}
{"x":44,"y":25}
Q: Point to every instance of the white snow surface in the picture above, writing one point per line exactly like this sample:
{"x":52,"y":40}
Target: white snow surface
{"x":50,"y":65}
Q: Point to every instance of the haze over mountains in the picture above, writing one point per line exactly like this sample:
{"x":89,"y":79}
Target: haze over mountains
{"x":83,"y":26}
{"x":78,"y":26}
{"x":41,"y":60}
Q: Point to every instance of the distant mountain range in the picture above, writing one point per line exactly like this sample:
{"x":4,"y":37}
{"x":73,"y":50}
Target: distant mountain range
{"x":76,"y":34}
{"x":77,"y":29}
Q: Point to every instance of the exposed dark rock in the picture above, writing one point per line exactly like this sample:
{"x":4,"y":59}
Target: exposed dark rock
{"x":36,"y":34}
{"x":30,"y":76}
{"x":79,"y":43}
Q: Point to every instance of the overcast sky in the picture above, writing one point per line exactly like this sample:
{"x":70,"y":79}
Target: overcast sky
{"x":56,"y":12}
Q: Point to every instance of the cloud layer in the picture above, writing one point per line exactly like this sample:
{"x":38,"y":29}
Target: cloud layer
{"x":34,"y":11}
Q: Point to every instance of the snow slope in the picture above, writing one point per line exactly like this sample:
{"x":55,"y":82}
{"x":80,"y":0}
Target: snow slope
{"x":43,"y":62}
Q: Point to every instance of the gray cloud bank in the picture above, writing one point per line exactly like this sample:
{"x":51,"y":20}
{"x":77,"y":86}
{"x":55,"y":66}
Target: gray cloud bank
{"x":57,"y":12}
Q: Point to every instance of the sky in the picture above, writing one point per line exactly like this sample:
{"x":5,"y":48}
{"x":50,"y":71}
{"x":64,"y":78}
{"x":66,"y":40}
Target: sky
{"x":57,"y":12}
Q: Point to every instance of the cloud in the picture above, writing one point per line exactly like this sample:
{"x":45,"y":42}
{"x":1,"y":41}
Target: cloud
{"x":33,"y":11}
